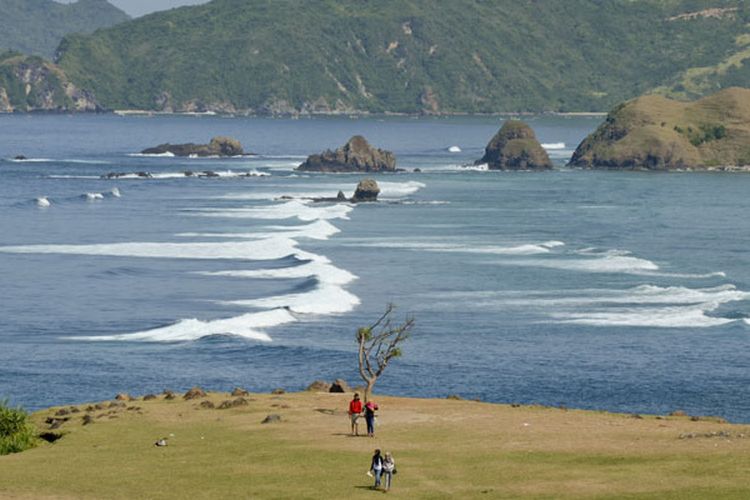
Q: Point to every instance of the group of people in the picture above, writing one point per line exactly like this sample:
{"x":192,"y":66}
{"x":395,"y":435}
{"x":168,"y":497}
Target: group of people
{"x":382,"y":467}
{"x":357,"y":410}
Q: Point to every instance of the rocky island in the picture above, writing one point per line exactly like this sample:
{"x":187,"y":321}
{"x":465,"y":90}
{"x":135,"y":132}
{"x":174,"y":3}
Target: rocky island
{"x":515,"y":147}
{"x":357,"y":155}
{"x":656,"y":133}
{"x":219,"y":146}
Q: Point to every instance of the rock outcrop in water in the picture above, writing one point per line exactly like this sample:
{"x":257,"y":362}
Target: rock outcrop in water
{"x":367,"y":190}
{"x":219,"y":146}
{"x":656,"y":133}
{"x":357,"y":155}
{"x":515,"y":147}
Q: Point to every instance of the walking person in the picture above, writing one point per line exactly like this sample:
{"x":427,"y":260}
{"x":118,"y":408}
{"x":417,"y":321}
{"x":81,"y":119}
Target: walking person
{"x":370,"y":409}
{"x":389,"y":469}
{"x":355,"y":409}
{"x":376,"y":468}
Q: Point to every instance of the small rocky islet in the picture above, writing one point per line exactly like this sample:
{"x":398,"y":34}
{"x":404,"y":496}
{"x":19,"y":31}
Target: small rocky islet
{"x":223,"y":147}
{"x":357,"y":155}
{"x":515,"y":147}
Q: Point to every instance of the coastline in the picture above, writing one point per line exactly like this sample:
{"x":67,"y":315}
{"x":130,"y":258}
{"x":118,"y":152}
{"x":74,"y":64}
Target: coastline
{"x":444,"y":448}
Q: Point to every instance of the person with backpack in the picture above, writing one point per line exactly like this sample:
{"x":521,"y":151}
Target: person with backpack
{"x":389,"y":469}
{"x":370,"y":409}
{"x":355,"y":409}
{"x":376,"y":468}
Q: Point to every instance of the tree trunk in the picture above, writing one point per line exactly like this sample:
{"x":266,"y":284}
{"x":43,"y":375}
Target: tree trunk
{"x":368,"y":389}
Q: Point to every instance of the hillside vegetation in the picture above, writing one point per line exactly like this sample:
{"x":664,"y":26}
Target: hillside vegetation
{"x":408,"y":56}
{"x":442,"y":448}
{"x":654,"y":132}
{"x":37,"y":26}
{"x":31,"y":83}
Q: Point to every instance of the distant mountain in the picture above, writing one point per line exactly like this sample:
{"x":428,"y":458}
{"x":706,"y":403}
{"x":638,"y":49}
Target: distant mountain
{"x":37,"y":26}
{"x":409,"y":56}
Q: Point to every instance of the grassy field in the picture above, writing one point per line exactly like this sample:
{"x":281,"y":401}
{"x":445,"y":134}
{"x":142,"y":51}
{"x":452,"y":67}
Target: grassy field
{"x":443,"y":449}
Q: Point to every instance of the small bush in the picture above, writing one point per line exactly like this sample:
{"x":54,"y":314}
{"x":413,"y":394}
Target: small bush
{"x":16,"y":432}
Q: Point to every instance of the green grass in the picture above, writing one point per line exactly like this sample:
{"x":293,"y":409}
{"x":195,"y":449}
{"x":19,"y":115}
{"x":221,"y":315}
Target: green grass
{"x":443,"y":449}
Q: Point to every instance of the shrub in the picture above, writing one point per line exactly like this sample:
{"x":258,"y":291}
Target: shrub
{"x":16,"y":432}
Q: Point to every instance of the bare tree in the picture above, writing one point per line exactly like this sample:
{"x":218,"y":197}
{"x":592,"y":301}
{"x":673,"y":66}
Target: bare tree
{"x":379,"y":344}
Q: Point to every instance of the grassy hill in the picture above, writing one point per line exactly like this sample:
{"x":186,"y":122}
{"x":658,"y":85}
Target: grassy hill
{"x":658,"y":133}
{"x":37,"y":26}
{"x":443,"y":449}
{"x":407,"y":56}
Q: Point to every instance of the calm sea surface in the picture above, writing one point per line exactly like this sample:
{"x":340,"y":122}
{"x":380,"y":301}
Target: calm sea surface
{"x":617,"y":291}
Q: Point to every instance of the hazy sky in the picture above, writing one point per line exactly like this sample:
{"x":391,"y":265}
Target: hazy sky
{"x":140,"y":7}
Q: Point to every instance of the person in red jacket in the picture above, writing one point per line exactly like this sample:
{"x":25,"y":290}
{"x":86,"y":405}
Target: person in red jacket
{"x":355,"y":408}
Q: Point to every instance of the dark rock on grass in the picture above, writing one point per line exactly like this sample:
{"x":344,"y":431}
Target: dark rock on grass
{"x":272,"y":419}
{"x":117,"y":404}
{"x":74,"y":409}
{"x":678,"y":413}
{"x":100,"y":406}
{"x":454,"y":397}
{"x":169,"y":394}
{"x":515,"y":147}
{"x":238,"y":392}
{"x":50,"y":437}
{"x":208,"y":405}
{"x":636,"y":416}
{"x":123,"y":397}
{"x":319,"y":386}
{"x":339,"y":386}
{"x":195,"y":393}
{"x":367,"y":191}
{"x":278,"y":391}
{"x":355,"y":156}
{"x":62,"y":411}
{"x":233,"y":403}
{"x":149,"y":397}
{"x":219,"y":146}
{"x":88,"y":419}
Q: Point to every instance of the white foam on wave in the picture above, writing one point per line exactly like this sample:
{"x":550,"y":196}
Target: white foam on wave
{"x":320,"y":268}
{"x":662,"y":317}
{"x":387,"y":190}
{"x":268,"y":249}
{"x":94,"y":196}
{"x":116,"y":192}
{"x":318,"y":230}
{"x":454,"y":149}
{"x":166,"y":154}
{"x":603,"y":264}
{"x":43,"y":202}
{"x":325,"y":299}
{"x":31,"y":160}
{"x":248,"y":326}
{"x":304,"y":211}
{"x":59,"y":176}
{"x":554,"y":145}
{"x":523,"y":249}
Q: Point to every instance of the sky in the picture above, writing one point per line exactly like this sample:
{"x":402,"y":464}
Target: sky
{"x":140,"y":7}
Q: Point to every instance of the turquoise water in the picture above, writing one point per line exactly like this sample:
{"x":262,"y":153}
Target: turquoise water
{"x":619,"y":291}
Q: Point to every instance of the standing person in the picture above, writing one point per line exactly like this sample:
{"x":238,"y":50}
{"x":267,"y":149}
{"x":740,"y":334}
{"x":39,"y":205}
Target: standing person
{"x":355,"y":408}
{"x":389,"y":469}
{"x":376,"y":467}
{"x":370,"y":409}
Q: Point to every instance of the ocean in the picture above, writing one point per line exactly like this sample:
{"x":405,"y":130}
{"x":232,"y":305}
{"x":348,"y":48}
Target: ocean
{"x":621,"y":291}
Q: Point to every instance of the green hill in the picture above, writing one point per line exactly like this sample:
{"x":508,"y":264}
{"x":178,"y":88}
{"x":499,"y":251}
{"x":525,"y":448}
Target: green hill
{"x":468,"y":56}
{"x":37,"y":26}
{"x":656,"y":133}
{"x":30,"y":83}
